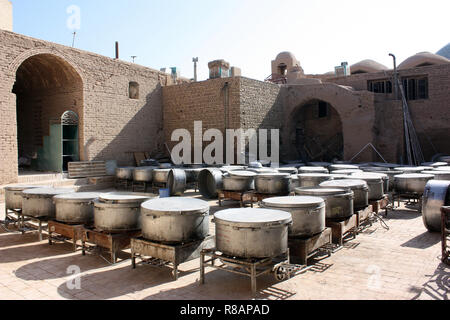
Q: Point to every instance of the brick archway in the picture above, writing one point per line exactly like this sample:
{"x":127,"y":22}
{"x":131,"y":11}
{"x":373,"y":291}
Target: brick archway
{"x":46,"y":85}
{"x":353,"y":108}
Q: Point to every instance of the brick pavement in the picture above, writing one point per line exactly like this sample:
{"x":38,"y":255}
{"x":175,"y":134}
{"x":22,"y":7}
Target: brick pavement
{"x":402,"y":263}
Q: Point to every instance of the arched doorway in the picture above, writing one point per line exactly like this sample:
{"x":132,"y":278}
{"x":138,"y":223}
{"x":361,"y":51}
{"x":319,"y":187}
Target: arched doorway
{"x":49,"y":92}
{"x":317,"y":132}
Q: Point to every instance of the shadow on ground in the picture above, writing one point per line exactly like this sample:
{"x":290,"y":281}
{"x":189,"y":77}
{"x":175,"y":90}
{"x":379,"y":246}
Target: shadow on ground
{"x":423,"y":241}
{"x":437,"y":288}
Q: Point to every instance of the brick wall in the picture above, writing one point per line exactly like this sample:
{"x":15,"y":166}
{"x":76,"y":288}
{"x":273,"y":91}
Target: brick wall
{"x":112,"y":124}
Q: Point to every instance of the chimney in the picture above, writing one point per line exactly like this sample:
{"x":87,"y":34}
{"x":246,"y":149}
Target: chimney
{"x":117,"y":50}
{"x":6,"y":15}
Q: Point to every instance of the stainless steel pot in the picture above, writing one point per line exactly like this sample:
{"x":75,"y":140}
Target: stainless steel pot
{"x":273,"y":183}
{"x":119,"y":212}
{"x":14,"y":196}
{"x":377,"y":183}
{"x":336,"y":167}
{"x":436,"y":196}
{"x":210,"y":181}
{"x":295,"y":182}
{"x":75,"y":208}
{"x":308,"y":214}
{"x":125,"y":173}
{"x":412,"y":183}
{"x":175,"y":220}
{"x":312,"y":170}
{"x":38,"y":203}
{"x":143,"y":174}
{"x":226,"y":169}
{"x":237,"y":184}
{"x":359,"y":187}
{"x":347,"y":171}
{"x":438,"y":175}
{"x":290,"y":170}
{"x":313,"y":179}
{"x":177,"y":182}
{"x":252,"y":233}
{"x":161,"y":175}
{"x":339,"y":202}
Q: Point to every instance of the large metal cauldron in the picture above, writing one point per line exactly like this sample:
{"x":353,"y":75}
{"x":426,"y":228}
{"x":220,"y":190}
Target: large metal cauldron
{"x":438,"y":175}
{"x":290,"y":170}
{"x":161,"y":175}
{"x":143,"y":174}
{"x":210,"y":181}
{"x":75,"y":208}
{"x":312,"y":170}
{"x":339,"y":202}
{"x":295,"y":182}
{"x":175,"y":220}
{"x":313,"y":179}
{"x":436,"y":196}
{"x":177,"y":182}
{"x":377,"y":183}
{"x":119,"y":212}
{"x":252,"y":233}
{"x":273,"y":183}
{"x":336,"y":167}
{"x":125,"y":173}
{"x":14,"y":196}
{"x":412,"y":183}
{"x":38,"y":203}
{"x":308,"y":214}
{"x":239,"y":181}
{"x":359,"y":188}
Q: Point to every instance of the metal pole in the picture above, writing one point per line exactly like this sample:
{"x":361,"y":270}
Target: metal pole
{"x":133,"y":57}
{"x":117,"y":50}
{"x":73,"y":39}
{"x":195,"y":60}
{"x":395,"y":76}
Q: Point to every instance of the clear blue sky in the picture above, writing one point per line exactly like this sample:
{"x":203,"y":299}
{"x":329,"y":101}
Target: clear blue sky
{"x":247,"y":33}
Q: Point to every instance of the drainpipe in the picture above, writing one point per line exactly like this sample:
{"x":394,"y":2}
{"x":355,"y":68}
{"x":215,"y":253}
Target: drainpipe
{"x":396,"y":88}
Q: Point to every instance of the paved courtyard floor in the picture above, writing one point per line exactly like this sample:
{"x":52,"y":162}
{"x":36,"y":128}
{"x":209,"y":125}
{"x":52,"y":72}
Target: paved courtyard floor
{"x":401,"y":263}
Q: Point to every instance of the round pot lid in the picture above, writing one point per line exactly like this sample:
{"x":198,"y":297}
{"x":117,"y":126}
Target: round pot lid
{"x":314,"y":175}
{"x":345,"y":183}
{"x":24,"y":187}
{"x":317,"y":191}
{"x":248,"y":217}
{"x":274,"y":175}
{"x":262,"y":170}
{"x":370,"y":177}
{"x":411,"y":169}
{"x":125,"y":168}
{"x":319,"y":164}
{"x":255,"y":165}
{"x":414,"y":176}
{"x":145,"y":169}
{"x":287,"y":169}
{"x":343,"y":166}
{"x":48,"y":191}
{"x":176,"y":205}
{"x":313,"y":169}
{"x":347,"y":171}
{"x":78,"y":196}
{"x":293,"y":202}
{"x":242,"y":174}
{"x":444,"y":168}
{"x":295,"y":177}
{"x":124,"y":197}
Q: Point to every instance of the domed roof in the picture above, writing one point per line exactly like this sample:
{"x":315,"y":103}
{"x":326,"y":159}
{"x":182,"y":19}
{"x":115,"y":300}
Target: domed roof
{"x":422,"y":59}
{"x":367,"y":66}
{"x":445,"y":51}
{"x":286,"y":55}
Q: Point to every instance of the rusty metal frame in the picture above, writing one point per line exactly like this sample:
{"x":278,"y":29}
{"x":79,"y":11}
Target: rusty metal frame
{"x":249,"y":267}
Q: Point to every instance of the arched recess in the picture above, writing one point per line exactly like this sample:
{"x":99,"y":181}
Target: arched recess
{"x":46,"y":86}
{"x":316,"y":132}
